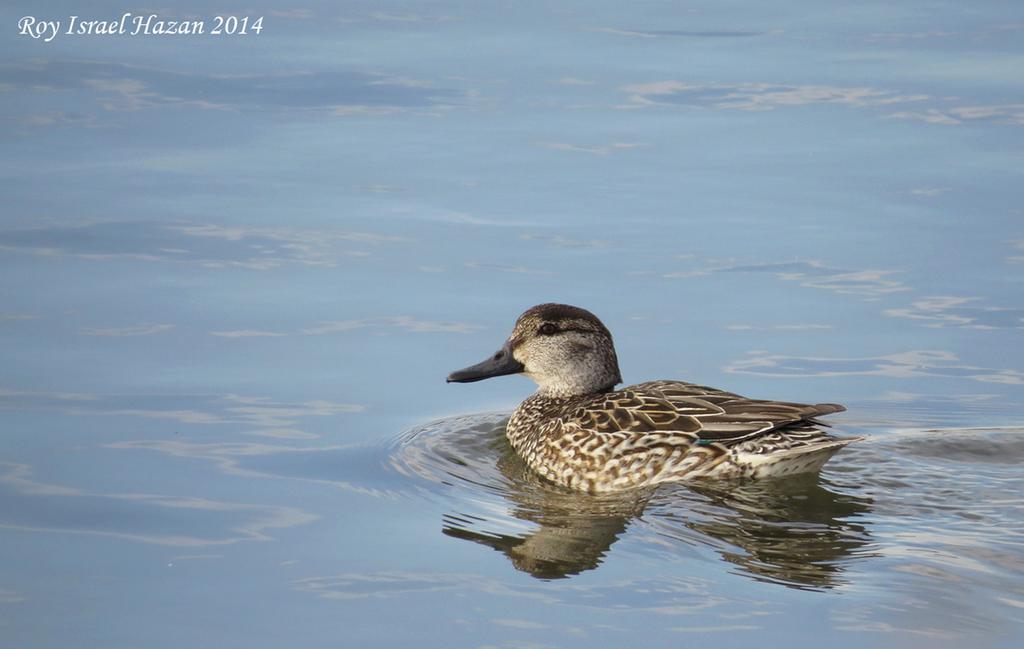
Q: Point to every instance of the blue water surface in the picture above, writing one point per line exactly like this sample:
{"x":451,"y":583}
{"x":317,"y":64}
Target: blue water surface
{"x":235,"y":270}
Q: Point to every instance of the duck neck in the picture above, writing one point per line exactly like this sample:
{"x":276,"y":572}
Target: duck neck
{"x":592,"y":375}
{"x":565,"y":391}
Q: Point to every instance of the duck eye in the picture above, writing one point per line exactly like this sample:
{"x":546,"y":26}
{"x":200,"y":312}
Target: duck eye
{"x":548,"y":329}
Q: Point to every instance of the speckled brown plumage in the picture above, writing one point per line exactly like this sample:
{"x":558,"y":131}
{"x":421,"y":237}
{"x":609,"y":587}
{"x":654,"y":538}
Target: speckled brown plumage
{"x":664,"y":431}
{"x":579,"y":432}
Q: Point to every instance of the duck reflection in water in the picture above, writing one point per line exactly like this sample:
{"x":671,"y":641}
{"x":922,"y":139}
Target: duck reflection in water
{"x":575,"y":529}
{"x":799,"y":531}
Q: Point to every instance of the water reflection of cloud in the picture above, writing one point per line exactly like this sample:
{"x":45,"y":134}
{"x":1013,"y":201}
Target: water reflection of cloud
{"x":121,"y":86}
{"x":603,"y":149}
{"x":52,"y":118}
{"x":996,"y":113}
{"x":678,"y":33}
{"x":455,"y":217}
{"x":895,"y":37}
{"x":560,"y":241}
{"x":953,"y":311}
{"x":898,"y":396}
{"x":228,"y":456}
{"x":759,"y":96}
{"x":911,"y":364}
{"x":206,"y":245}
{"x":928,"y":116}
{"x":406,"y":323}
{"x":147,"y":518}
{"x":983,"y":33}
{"x":862,"y":619}
{"x":352,"y":468}
{"x":503,"y":268}
{"x":11,"y":597}
{"x":11,"y":399}
{"x":1017,"y":259}
{"x":401,"y":322}
{"x":665,"y":594}
{"x":768,"y":96}
{"x":259,"y":413}
{"x":140,"y":330}
{"x":409,"y":17}
{"x":282,"y":433}
{"x":297,"y":14}
{"x":390,"y":584}
{"x":247,"y":333}
{"x":725,"y":628}
{"x":815,"y":274}
{"x":929,"y":191}
{"x":575,"y":81}
{"x":380,"y":188}
{"x":17,"y":317}
{"x":347,"y":467}
{"x":778,"y":327}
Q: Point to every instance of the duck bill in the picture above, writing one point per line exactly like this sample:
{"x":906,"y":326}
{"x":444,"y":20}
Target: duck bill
{"x":500,"y":364}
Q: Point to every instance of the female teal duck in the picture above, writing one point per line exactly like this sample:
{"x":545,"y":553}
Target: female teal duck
{"x":579,"y":431}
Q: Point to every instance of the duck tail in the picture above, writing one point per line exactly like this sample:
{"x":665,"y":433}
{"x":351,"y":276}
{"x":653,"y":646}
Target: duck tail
{"x":805,"y":458}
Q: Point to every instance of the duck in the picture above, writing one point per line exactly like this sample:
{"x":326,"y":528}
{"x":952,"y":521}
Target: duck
{"x":581,"y":432}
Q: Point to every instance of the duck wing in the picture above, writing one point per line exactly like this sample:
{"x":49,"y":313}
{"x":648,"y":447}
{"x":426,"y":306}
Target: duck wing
{"x":700,"y":414}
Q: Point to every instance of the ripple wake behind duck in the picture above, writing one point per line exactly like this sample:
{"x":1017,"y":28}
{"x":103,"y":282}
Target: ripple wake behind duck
{"x":791,"y":532}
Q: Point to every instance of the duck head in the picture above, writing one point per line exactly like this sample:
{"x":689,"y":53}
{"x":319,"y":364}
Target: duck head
{"x":566,"y":350}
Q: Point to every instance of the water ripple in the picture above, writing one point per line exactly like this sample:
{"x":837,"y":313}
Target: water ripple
{"x":797,"y":532}
{"x":907,"y":522}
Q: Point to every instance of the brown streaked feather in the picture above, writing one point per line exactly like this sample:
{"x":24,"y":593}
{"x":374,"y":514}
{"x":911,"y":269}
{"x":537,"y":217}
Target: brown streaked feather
{"x":664,"y":431}
{"x":686,"y":408}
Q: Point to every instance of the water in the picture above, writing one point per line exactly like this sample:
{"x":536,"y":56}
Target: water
{"x":235,"y":273}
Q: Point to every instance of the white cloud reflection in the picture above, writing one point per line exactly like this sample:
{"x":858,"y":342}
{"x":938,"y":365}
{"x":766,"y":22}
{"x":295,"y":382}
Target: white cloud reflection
{"x":336,"y":466}
{"x":505,"y":268}
{"x":141,"y":330}
{"x":772,"y":96}
{"x":1017,"y":259}
{"x":561,"y":241}
{"x":254,"y":413}
{"x":574,"y":81}
{"x":247,"y":333}
{"x":958,"y":311}
{"x":115,"y":86}
{"x":604,"y":149}
{"x":407,"y":323}
{"x":680,"y":33}
{"x":666,"y":595}
{"x":296,"y":13}
{"x":759,"y":96}
{"x":1012,"y":114}
{"x":778,"y":327}
{"x":205,"y":245}
{"x":403,"y":322}
{"x":868,"y":283}
{"x":189,"y":522}
{"x":904,"y":365}
{"x":11,"y":596}
{"x":929,"y":191}
{"x":408,"y":17}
